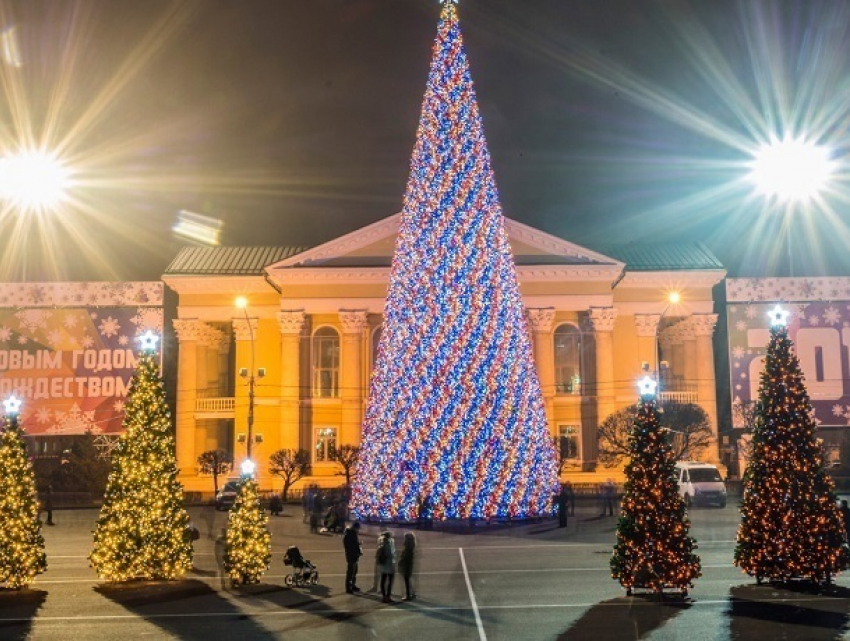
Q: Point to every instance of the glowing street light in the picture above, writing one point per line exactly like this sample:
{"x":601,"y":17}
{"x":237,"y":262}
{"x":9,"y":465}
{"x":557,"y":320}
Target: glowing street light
{"x":33,"y":180}
{"x":791,"y":170}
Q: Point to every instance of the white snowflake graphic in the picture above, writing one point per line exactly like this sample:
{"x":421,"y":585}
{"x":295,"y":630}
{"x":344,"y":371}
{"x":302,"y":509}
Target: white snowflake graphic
{"x":741,"y":326}
{"x":93,"y":315}
{"x":75,"y":421}
{"x":22,"y":340}
{"x":738,"y":351}
{"x":5,"y":334}
{"x":33,"y":319}
{"x":70,"y":321}
{"x":42,"y":415}
{"x":118,"y":406}
{"x":831,"y":316}
{"x":738,"y":387}
{"x":109,"y":327}
{"x":87,"y":341}
{"x":123,"y":340}
{"x":752,"y":312}
{"x":743,"y":375}
{"x":54,"y":337}
{"x":837,"y":410}
{"x":148,"y":318}
{"x":814,"y":320}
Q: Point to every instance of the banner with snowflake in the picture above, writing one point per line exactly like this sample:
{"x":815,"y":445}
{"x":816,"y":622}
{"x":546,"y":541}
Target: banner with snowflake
{"x":819,"y":329}
{"x":72,"y":365}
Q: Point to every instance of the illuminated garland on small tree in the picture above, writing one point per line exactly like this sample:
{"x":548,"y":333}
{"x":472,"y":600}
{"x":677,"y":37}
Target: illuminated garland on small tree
{"x":791,"y":527}
{"x":455,"y":417}
{"x":248,"y":550}
{"x":653,"y":550}
{"x":142,"y":529}
{"x":22,"y":554}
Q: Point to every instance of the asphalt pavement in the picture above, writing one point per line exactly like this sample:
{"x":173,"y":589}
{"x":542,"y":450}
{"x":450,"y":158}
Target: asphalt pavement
{"x":502,"y":581}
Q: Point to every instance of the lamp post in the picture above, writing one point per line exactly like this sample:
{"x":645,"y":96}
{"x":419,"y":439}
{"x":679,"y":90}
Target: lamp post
{"x":242,"y":303}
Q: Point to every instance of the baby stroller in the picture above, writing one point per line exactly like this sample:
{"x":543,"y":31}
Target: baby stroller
{"x":303,"y":572}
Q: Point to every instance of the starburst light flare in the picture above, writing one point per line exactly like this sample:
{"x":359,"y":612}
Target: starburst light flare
{"x":791,"y":169}
{"x":33,"y":180}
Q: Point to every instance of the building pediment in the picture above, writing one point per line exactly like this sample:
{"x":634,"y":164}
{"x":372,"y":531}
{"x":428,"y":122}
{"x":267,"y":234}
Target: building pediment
{"x":369,"y":251}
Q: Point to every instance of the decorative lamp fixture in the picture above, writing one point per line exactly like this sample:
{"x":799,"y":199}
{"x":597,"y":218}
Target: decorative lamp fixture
{"x":148,"y":340}
{"x":12,"y":406}
{"x":647,"y":386}
{"x":778,"y":317}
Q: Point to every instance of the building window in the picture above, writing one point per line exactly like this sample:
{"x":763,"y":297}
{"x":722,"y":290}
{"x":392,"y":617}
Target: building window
{"x":568,"y":442}
{"x":326,"y":363}
{"x":324,"y":444}
{"x":567,"y":360}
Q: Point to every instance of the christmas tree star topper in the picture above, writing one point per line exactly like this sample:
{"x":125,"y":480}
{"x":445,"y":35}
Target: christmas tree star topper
{"x":12,"y":405}
{"x":448,"y":1}
{"x":647,"y":386}
{"x":248,"y":466}
{"x":778,"y":317}
{"x":148,"y":340}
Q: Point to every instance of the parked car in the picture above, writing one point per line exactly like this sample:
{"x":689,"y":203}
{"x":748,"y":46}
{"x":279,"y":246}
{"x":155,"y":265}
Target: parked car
{"x":700,"y":484}
{"x":226,"y":495}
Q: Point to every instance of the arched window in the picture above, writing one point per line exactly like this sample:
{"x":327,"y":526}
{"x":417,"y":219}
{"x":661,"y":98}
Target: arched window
{"x":567,"y":360}
{"x":326,"y":363}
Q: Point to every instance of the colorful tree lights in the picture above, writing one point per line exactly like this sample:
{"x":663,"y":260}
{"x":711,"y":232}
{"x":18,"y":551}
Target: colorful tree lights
{"x":142,"y":529}
{"x":790,"y":524}
{"x":248,"y":547}
{"x":21,"y":543}
{"x":455,"y":412}
{"x":653,"y":550}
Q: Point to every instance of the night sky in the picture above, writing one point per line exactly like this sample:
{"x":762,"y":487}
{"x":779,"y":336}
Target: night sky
{"x":609,"y":121}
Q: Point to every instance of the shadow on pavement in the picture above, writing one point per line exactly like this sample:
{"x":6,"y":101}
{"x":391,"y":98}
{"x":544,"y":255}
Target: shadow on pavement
{"x":314,"y":600}
{"x":625,"y":618}
{"x":18,"y":608}
{"x":795,"y":611}
{"x":188,"y":609}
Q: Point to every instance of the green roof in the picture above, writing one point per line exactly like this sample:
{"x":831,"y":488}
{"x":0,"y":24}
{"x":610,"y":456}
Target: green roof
{"x":228,"y":261}
{"x":658,"y":257}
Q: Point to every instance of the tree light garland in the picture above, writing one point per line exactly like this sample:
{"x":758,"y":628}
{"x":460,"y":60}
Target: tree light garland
{"x":455,"y":417}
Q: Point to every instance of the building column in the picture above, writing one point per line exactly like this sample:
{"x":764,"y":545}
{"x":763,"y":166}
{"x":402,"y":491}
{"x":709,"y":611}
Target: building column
{"x":703,"y":326}
{"x":647,"y":333}
{"x":354,"y":324}
{"x":541,"y":321}
{"x":243,"y":332}
{"x":602,"y":320}
{"x":188,"y":332}
{"x":689,"y":351}
{"x":291,"y":326}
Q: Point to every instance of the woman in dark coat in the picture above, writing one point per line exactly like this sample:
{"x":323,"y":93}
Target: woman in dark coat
{"x":405,"y":564}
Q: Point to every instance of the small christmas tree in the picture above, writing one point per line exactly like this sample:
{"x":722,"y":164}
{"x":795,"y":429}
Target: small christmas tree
{"x":790,"y":524}
{"x":248,"y":549}
{"x":21,"y":544}
{"x":653,"y":550}
{"x":142,"y":529}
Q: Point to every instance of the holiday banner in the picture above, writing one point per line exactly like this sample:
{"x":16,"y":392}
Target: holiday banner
{"x":820,"y":330}
{"x":72,"y":365}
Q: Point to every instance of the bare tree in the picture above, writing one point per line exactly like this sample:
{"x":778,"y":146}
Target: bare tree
{"x":565,"y":447}
{"x":745,"y":415}
{"x":290,"y":465}
{"x":215,"y":462}
{"x":687,"y":423}
{"x":346,"y":456}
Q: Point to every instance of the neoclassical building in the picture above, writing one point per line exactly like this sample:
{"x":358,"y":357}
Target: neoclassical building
{"x":308,"y":336}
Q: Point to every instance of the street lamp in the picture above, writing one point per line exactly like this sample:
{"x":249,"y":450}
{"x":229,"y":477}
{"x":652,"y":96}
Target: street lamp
{"x":33,"y":180}
{"x":242,"y":303}
{"x":673,"y":298}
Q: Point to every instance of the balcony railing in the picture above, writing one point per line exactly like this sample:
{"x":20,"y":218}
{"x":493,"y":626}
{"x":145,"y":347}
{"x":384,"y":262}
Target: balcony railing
{"x":221,"y":407}
{"x":689,"y":396}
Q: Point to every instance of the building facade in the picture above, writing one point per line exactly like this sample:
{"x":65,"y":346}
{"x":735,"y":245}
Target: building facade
{"x":305,"y":343}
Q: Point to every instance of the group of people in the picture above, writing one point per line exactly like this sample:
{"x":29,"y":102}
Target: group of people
{"x":565,"y":500}
{"x":386,"y":562}
{"x":326,"y":512}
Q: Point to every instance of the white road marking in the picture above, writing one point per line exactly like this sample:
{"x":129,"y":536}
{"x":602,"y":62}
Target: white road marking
{"x":478,"y":622}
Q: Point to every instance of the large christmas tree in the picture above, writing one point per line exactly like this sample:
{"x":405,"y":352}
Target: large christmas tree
{"x":248,"y":546}
{"x":21,"y":544}
{"x":654,"y":550}
{"x":790,"y":524}
{"x":142,"y":529}
{"x":455,"y":417}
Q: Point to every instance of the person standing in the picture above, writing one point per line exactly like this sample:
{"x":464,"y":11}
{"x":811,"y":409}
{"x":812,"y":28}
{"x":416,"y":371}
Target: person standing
{"x":353,"y":552}
{"x":571,"y":497}
{"x":386,"y":563}
{"x":562,"y":507}
{"x":405,"y":564}
{"x":608,"y":497}
{"x":48,"y":504}
{"x":220,"y":551}
{"x":845,"y":517}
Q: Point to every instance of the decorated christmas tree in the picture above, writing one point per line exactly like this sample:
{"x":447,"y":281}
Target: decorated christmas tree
{"x":455,"y":418}
{"x":654,"y":550}
{"x":21,"y":544}
{"x":142,"y":529}
{"x":790,"y":524}
{"x":248,"y":547}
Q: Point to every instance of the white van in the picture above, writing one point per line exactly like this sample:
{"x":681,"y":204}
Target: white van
{"x":700,"y":484}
